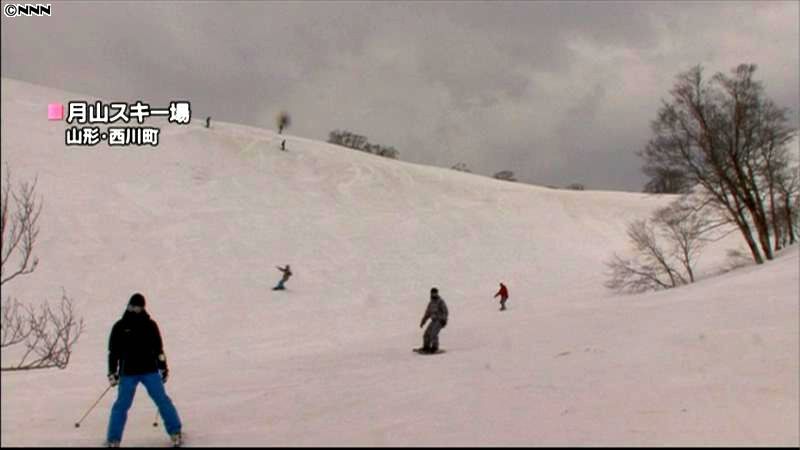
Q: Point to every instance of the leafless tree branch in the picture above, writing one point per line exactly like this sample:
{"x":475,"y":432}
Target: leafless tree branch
{"x":44,"y":337}
{"x":666,"y":247}
{"x":48,"y":335}
{"x":18,"y":228}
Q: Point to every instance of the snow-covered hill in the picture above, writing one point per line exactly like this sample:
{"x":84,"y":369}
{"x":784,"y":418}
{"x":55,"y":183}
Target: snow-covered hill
{"x":199,"y":223}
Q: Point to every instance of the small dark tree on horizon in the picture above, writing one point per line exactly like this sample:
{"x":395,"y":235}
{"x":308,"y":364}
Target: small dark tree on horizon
{"x":505,"y":175}
{"x":576,"y":187}
{"x":361,"y":143}
{"x":461,"y":167}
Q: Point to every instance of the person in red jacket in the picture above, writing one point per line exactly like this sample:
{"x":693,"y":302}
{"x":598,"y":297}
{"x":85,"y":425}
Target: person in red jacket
{"x":503,"y":293}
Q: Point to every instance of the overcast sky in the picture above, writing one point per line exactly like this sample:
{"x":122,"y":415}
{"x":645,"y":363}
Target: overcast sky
{"x":558,"y":92}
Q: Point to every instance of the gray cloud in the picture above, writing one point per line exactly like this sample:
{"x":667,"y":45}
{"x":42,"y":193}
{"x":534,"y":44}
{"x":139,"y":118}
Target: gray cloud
{"x":559,"y":92}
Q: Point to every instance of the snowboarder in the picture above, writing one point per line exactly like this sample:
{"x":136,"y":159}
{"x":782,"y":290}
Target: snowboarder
{"x":136,"y":355}
{"x":287,"y":272}
{"x":283,"y":145}
{"x":503,"y":293}
{"x":208,"y":122}
{"x":437,"y":313}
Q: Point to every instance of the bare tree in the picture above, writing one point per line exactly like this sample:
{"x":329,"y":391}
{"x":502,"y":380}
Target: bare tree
{"x":461,"y":167}
{"x":19,"y":216}
{"x":785,"y":216}
{"x":47,"y":335}
{"x":386,"y":152}
{"x":283,"y":121}
{"x":665,"y":180}
{"x":505,"y":175}
{"x":720,"y":133}
{"x":358,"y":142}
{"x":649,"y":269}
{"x":774,"y":171}
{"x":43,"y":337}
{"x":350,"y":140}
{"x":689,"y":227}
{"x":793,"y":216}
{"x":576,"y":187}
{"x":666,"y":248}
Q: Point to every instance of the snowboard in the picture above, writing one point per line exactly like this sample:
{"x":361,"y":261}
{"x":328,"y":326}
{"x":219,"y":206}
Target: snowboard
{"x":420,"y":352}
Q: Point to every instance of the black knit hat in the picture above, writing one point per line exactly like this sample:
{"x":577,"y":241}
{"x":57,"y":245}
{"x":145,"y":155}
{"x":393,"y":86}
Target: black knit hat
{"x":434,"y":291}
{"x":137,"y":299}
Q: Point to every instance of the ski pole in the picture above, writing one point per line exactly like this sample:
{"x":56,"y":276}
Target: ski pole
{"x":78,"y":423}
{"x":155,"y":421}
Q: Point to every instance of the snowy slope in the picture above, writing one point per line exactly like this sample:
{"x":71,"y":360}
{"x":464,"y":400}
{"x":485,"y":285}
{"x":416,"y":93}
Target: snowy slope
{"x":198,"y":224}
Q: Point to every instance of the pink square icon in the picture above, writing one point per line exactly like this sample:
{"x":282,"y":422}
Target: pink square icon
{"x":55,"y":111}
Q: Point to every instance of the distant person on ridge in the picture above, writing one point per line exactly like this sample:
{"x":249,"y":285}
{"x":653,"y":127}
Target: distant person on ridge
{"x":208,"y":122}
{"x":136,"y":355}
{"x":283,"y":145}
{"x":503,"y":293}
{"x":287,"y":272}
{"x":437,"y":313}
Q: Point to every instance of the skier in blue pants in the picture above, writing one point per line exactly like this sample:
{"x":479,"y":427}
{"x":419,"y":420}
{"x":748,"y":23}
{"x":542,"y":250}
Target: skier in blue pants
{"x":136,"y":355}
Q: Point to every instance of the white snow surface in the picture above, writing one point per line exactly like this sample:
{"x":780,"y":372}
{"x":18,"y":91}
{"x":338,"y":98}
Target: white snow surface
{"x":199,"y":223}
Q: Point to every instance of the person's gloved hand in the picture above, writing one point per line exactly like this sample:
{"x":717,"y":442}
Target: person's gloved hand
{"x":444,"y":323}
{"x":162,"y":367}
{"x":113,"y":379}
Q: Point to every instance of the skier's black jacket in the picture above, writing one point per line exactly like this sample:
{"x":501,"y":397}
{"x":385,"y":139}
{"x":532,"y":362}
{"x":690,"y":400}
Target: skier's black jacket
{"x":135,"y":345}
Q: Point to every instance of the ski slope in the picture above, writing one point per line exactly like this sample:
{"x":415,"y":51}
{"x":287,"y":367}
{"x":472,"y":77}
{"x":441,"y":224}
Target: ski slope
{"x":199,"y":223}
